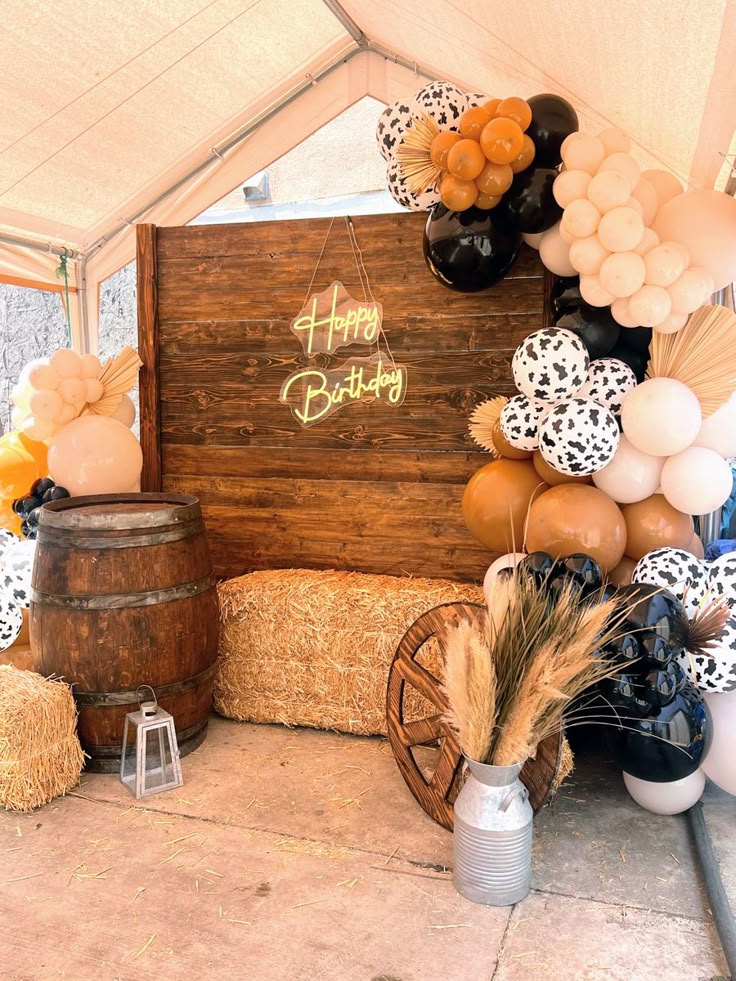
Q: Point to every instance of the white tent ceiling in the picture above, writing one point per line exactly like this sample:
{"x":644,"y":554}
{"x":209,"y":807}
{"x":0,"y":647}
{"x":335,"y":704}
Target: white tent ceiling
{"x":153,"y":109}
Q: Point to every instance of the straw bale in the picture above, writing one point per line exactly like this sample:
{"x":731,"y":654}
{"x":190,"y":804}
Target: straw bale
{"x":40,"y":755}
{"x":310,"y":648}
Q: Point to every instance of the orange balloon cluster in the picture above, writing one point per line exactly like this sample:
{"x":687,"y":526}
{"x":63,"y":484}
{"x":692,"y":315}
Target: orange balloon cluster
{"x":22,"y":460}
{"x":479,"y":162}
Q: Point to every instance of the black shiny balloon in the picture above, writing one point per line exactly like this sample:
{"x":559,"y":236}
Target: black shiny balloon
{"x":624,"y":650}
{"x":33,"y":518}
{"x":553,"y":119}
{"x":25,"y":530}
{"x":25,"y":505}
{"x":654,"y":648}
{"x":539,"y":565}
{"x":626,"y":694}
{"x":579,"y":569}
{"x":595,"y":327}
{"x":466,"y":250}
{"x":662,"y":684}
{"x":636,"y":360}
{"x":55,"y":494}
{"x":670,"y":743}
{"x":637,"y":338}
{"x":529,"y":205}
{"x":40,"y":486}
{"x":565,"y":295}
{"x":656,"y":610}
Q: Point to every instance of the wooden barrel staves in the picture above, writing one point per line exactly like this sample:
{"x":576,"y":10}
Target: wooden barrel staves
{"x":123,"y":596}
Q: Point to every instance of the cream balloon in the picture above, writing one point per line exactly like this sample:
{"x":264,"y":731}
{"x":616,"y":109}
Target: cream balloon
{"x":66,"y":363}
{"x":580,"y":218}
{"x":508,"y":561}
{"x":587,"y":255}
{"x":608,"y":190}
{"x":689,"y":290}
{"x":672,"y":797}
{"x":718,"y":431}
{"x":614,"y":140}
{"x":592,"y":291}
{"x":93,"y":389}
{"x":720,"y":763}
{"x":621,"y":313}
{"x":73,"y":390}
{"x":648,"y":241}
{"x":569,"y":186}
{"x":661,"y":417}
{"x":555,"y":254}
{"x":45,"y":404}
{"x":565,"y":235}
{"x":90,"y":366}
{"x":631,"y":475}
{"x":650,"y":305}
{"x":95,"y":455}
{"x":125,"y":412}
{"x":671,"y":324}
{"x":621,"y":229}
{"x":622,"y":274}
{"x":696,"y":481}
{"x":705,"y":222}
{"x":533,"y":240}
{"x":581,"y":151}
{"x":624,"y":164}
{"x":665,"y":263}
{"x":666,"y":186}
{"x":645,"y":194}
{"x":43,"y":376}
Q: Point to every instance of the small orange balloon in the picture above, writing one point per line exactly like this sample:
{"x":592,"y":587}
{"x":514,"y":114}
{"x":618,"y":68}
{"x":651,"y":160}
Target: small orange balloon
{"x":492,"y":105}
{"x":516,"y":109}
{"x":38,"y":450}
{"x":473,"y":120}
{"x":441,"y":146}
{"x":503,"y":447}
{"x":621,"y":575}
{"x":496,"y":503}
{"x":524,"y":159}
{"x":487,"y":202}
{"x":466,"y":160}
{"x":494,"y":179}
{"x":553,"y":477}
{"x":576,"y":518}
{"x":502,"y":140}
{"x":654,"y":523}
{"x":18,"y":470}
{"x":8,"y":519}
{"x":457,"y":195}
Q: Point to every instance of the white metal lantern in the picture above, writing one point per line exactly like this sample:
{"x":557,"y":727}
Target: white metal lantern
{"x":149,"y":763}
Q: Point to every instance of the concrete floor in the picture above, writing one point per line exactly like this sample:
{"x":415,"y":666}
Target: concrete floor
{"x":294,"y":855}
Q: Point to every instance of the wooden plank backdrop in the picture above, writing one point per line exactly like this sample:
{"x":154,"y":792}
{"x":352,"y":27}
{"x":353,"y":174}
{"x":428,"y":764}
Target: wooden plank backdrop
{"x":373,"y":487}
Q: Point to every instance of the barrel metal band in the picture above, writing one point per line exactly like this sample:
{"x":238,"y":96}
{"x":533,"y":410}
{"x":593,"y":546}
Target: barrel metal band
{"x":70,"y":513}
{"x":47,"y":536}
{"x":99,"y":699}
{"x":122,"y":601}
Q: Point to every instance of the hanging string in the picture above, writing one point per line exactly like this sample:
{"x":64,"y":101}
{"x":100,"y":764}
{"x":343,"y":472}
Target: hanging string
{"x":62,"y":271}
{"x":314,"y":274}
{"x":366,"y":286}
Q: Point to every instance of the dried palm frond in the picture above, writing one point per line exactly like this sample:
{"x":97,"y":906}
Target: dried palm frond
{"x":702,"y":356}
{"x":470,"y":688}
{"x":484,"y":420}
{"x":118,"y":376}
{"x":707,"y":626}
{"x":414,"y":157}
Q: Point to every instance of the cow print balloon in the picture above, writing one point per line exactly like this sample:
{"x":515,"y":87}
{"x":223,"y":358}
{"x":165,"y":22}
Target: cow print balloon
{"x":15,"y":575}
{"x":715,"y":671}
{"x":11,"y":621}
{"x":609,"y":382}
{"x":519,"y":421}
{"x":677,"y":570}
{"x":391,"y":125}
{"x":578,"y":437}
{"x":443,"y":101}
{"x":476,"y":99}
{"x":400,"y":192}
{"x":722,"y":578}
{"x":550,"y":364}
{"x":7,"y":540}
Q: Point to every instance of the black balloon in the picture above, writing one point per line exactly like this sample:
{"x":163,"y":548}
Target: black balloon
{"x":654,"y":648}
{"x":657,"y":611}
{"x":595,"y":327}
{"x":565,"y":295}
{"x":40,"y":486}
{"x":529,"y":205}
{"x":553,"y":119}
{"x":662,"y":684}
{"x":637,"y":338}
{"x":626,"y":693}
{"x":55,"y":494}
{"x":625,"y":649}
{"x":540,"y":565}
{"x":636,"y":360}
{"x":467,"y":250}
{"x":579,"y":569}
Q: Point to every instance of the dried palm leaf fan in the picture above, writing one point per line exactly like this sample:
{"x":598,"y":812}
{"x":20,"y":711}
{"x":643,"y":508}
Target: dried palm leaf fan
{"x":118,"y":376}
{"x":702,"y":355}
{"x":483,"y":422}
{"x":414,"y":156}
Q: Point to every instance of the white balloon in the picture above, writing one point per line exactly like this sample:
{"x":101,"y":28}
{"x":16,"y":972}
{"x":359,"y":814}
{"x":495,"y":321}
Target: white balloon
{"x":15,"y":576}
{"x":672,"y":797}
{"x":631,"y":475}
{"x":720,"y":763}
{"x":661,"y":416}
{"x":508,"y":561}
{"x":718,"y":431}
{"x":697,"y":480}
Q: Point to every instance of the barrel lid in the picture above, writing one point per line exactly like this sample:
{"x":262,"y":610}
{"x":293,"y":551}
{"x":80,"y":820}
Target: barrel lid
{"x":119,"y":511}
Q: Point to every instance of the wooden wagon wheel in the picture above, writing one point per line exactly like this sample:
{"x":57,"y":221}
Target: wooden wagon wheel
{"x":436,"y":793}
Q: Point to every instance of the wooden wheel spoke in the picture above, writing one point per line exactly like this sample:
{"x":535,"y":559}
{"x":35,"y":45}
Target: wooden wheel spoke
{"x":447,"y":765}
{"x":422,"y":731}
{"x":424,"y":681}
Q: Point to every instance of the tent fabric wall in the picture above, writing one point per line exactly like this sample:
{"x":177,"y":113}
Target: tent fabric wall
{"x":113,"y":114}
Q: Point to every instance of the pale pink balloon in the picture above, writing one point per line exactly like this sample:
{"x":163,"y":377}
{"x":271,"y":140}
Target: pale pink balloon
{"x":689,"y":291}
{"x":671,"y":324}
{"x":570,"y":185}
{"x":587,"y":255}
{"x":621,"y":313}
{"x":532,"y":240}
{"x":95,"y":455}
{"x":93,"y":389}
{"x":580,"y":218}
{"x":705,"y":222}
{"x":45,"y":404}
{"x":621,"y":229}
{"x":650,"y":305}
{"x":66,"y":363}
{"x":581,"y":151}
{"x":593,"y":292}
{"x":67,"y":413}
{"x":90,"y":366}
{"x":623,"y":163}
{"x":665,"y":264}
{"x":648,"y":241}
{"x":39,"y":429}
{"x":565,"y":235}
{"x":666,"y":186}
{"x":125,"y":411}
{"x":72,"y":390}
{"x":555,"y":254}
{"x":622,"y":273}
{"x":636,"y":205}
{"x":43,"y":376}
{"x":631,"y":475}
{"x":615,"y":140}
{"x":696,"y":481}
{"x":662,"y":416}
{"x":718,"y":431}
{"x":608,"y":190}
{"x":645,"y":194}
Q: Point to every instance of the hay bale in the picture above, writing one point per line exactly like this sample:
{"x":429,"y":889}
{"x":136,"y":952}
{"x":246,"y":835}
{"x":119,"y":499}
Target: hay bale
{"x":311,"y":648}
{"x":40,"y":755}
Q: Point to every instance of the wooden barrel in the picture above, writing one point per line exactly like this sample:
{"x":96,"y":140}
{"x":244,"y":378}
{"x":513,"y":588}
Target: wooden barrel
{"x":123,"y":596}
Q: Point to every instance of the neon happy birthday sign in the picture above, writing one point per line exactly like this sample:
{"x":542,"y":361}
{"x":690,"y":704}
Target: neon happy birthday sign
{"x":331,"y":320}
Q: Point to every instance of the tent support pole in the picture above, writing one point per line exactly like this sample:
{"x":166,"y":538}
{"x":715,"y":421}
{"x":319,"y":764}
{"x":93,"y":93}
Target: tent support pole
{"x":338,"y":11}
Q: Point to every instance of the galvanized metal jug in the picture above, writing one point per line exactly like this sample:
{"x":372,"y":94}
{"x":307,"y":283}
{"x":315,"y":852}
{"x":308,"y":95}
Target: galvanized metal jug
{"x":492,"y":841}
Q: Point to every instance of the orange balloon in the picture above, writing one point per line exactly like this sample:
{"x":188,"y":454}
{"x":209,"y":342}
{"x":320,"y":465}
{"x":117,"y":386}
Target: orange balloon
{"x":492,"y":105}
{"x":516,"y":109}
{"x":502,"y":140}
{"x":696,"y":548}
{"x":473,"y":120}
{"x":621,"y":575}
{"x":8,"y":519}
{"x":457,"y":195}
{"x":441,"y":146}
{"x":553,"y":477}
{"x":496,"y":503}
{"x":654,"y":523}
{"x":466,"y":160}
{"x":524,"y":159}
{"x":487,"y":201}
{"x":494,"y":179}
{"x":18,"y":470}
{"x":577,"y":518}
{"x":504,"y":448}
{"x":38,"y":450}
